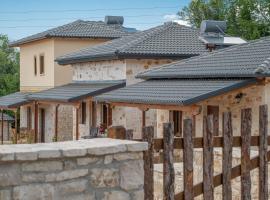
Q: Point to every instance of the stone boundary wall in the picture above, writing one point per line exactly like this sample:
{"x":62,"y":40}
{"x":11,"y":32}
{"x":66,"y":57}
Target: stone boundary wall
{"x":92,"y":169}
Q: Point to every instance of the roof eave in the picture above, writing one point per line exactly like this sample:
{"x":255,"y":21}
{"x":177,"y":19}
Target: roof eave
{"x":86,"y":59}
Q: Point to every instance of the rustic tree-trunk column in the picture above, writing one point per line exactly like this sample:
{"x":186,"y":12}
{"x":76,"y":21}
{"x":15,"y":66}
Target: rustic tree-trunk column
{"x":263,"y":172}
{"x":245,"y":154}
{"x":94,"y":114}
{"x":148,"y":157}
{"x":168,"y":167}
{"x":2,"y":126}
{"x":188,"y":159}
{"x":77,"y":123}
{"x":208,"y":169}
{"x":227,"y":156}
{"x":36,"y":121}
{"x":8,"y":136}
{"x":56,"y":122}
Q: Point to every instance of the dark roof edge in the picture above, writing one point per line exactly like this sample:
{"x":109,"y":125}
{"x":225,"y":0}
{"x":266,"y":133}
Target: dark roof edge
{"x":116,"y":56}
{"x":220,"y":91}
{"x":67,"y":61}
{"x":80,"y":97}
{"x":149,"y":77}
{"x":16,"y":44}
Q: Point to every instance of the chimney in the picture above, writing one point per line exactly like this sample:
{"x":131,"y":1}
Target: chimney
{"x":114,"y":20}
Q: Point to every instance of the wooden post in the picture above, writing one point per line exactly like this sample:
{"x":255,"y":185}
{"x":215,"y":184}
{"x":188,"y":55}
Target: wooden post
{"x":148,"y":157}
{"x":245,"y":154}
{"x":214,"y":110}
{"x":168,"y":167}
{"x":2,"y":126}
{"x":8,"y":136}
{"x":77,"y":123}
{"x":143,"y":118}
{"x":227,"y":156}
{"x":36,"y":121}
{"x":208,"y":169}
{"x":56,"y":122}
{"x":188,"y":159}
{"x":94,"y":114}
{"x":16,"y":126}
{"x":263,"y":172}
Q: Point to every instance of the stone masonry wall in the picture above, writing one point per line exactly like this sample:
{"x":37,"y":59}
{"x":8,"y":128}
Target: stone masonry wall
{"x":97,"y":169}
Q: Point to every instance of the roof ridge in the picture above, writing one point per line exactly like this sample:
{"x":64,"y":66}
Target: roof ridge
{"x":150,"y":33}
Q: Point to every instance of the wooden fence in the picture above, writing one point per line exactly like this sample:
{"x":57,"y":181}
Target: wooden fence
{"x":168,"y":143}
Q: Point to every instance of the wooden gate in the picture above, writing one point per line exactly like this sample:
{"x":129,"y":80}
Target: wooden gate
{"x":208,"y":142}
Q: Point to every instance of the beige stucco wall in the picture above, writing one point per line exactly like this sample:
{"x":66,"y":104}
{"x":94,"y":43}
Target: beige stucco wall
{"x":55,"y":74}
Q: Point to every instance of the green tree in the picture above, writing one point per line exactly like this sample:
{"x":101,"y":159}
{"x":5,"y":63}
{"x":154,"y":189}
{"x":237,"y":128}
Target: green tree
{"x":9,"y":67}
{"x":249,"y":19}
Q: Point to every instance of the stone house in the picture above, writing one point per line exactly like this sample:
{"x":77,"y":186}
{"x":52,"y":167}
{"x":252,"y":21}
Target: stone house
{"x":125,"y":57}
{"x":225,"y":80}
{"x":39,"y":71}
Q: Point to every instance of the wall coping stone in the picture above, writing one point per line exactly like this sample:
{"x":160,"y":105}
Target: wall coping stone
{"x":97,"y":146}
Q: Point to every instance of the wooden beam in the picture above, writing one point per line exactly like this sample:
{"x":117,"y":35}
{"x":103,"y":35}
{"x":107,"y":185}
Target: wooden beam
{"x":263,"y":171}
{"x":143,"y":118}
{"x":168,"y":166}
{"x":245,"y":154}
{"x":56,"y":122}
{"x":194,"y":109}
{"x":36,"y":121}
{"x":77,"y":103}
{"x":148,"y":157}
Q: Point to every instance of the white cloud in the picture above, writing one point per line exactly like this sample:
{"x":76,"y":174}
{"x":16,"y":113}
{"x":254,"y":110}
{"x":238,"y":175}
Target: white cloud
{"x":176,"y":18}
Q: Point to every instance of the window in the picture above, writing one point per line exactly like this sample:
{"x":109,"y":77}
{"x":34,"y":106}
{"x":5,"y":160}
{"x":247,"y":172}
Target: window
{"x":176,"y":118}
{"x":35,"y":65}
{"x":83,"y":113}
{"x":41,"y":64}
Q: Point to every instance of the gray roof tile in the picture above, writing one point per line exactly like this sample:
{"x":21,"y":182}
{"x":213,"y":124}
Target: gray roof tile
{"x":168,"y":40}
{"x":245,"y":60}
{"x":14,"y":100}
{"x":76,"y":91}
{"x":173,"y":91}
{"x":78,"y":29}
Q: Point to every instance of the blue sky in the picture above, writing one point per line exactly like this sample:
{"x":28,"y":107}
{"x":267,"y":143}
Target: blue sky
{"x":20,"y":18}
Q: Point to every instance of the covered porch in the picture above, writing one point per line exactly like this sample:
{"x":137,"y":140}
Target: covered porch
{"x":73,"y":102}
{"x":11,"y":102}
{"x":176,"y":99}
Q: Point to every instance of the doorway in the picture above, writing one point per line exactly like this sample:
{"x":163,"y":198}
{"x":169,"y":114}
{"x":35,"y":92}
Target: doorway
{"x":42,"y":125}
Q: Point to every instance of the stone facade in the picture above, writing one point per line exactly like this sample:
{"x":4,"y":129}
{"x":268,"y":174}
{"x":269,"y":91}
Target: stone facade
{"x":65,"y":119}
{"x":131,"y":118}
{"x":94,"y":169}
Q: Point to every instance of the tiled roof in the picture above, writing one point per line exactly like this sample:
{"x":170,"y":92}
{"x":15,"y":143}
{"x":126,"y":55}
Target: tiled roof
{"x":79,"y":29}
{"x":6,"y":117}
{"x":245,"y":60}
{"x":168,"y":40}
{"x":76,"y":91}
{"x":173,"y":91}
{"x":14,"y":100}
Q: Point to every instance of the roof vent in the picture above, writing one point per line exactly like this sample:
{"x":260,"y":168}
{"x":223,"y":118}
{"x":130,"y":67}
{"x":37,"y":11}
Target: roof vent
{"x":114,"y":20}
{"x":214,"y":27}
